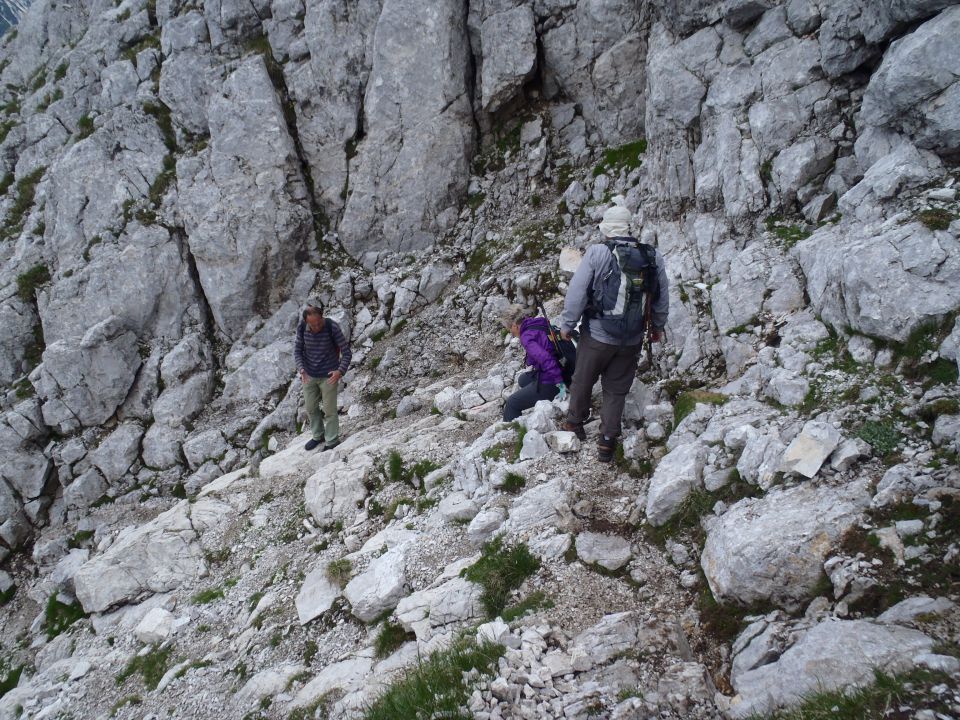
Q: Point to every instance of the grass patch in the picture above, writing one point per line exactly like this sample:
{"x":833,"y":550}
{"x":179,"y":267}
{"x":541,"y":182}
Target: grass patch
{"x":122,"y":702}
{"x":84,"y":127}
{"x":880,"y":435}
{"x":697,"y":504}
{"x":534,"y":601}
{"x":29,"y":281}
{"x":25,"y":188}
{"x":395,"y":467}
{"x":9,"y":677}
{"x":80,"y":538}
{"x":501,"y":569}
{"x":790,"y":235}
{"x":435,"y":687}
{"x":622,"y":157}
{"x":338,"y":571}
{"x":936,"y":218}
{"x":379,"y":395}
{"x":514,"y":482}
{"x":687,"y":401}
{"x":391,"y":636}
{"x":475,"y":200}
{"x":309,"y":651}
{"x":151,"y":666}
{"x":205,"y":597}
{"x":148,"y":41}
{"x":423,"y":468}
{"x":61,"y":72}
{"x":872,"y":702}
{"x":58,"y":616}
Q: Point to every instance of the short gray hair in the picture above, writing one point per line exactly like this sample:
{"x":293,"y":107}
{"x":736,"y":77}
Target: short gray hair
{"x":513,"y":314}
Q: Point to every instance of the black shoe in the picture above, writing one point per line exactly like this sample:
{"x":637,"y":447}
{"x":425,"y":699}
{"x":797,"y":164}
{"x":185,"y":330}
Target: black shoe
{"x":605,"y":449}
{"x":331,"y":445}
{"x":575,"y":428}
{"x":311,"y":444}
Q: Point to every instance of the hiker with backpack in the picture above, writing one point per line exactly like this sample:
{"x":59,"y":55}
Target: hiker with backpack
{"x":545,"y":380}
{"x":620,"y":293}
{"x":322,"y":354}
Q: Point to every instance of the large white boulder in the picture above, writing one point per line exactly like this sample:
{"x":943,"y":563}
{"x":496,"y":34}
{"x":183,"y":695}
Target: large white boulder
{"x":771,"y":549}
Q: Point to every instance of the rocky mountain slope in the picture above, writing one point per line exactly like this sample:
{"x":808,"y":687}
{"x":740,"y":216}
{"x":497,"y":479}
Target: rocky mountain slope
{"x":784,"y":516}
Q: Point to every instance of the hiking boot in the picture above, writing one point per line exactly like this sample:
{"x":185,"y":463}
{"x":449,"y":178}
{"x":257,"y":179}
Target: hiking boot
{"x":575,"y":428}
{"x":331,"y":445}
{"x":311,"y":444}
{"x":605,"y":449}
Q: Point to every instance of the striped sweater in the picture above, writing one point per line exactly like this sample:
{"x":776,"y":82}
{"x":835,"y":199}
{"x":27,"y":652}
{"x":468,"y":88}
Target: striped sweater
{"x":317,"y":352}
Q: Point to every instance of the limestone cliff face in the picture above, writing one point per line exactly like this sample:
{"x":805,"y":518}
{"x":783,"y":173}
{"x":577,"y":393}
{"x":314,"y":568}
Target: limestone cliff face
{"x":175,"y":175}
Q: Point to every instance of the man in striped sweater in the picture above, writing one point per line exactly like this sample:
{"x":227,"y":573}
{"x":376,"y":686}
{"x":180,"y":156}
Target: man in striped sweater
{"x":322,"y":354}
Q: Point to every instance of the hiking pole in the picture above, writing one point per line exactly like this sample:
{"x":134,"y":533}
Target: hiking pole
{"x":648,"y":323}
{"x":550,"y":333}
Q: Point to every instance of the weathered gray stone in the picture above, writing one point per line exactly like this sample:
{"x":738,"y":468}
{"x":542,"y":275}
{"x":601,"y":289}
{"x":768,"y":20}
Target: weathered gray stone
{"x":806,"y":453}
{"x":786,"y":387}
{"x":799,"y":164}
{"x":118,"y":451}
{"x":155,"y":557}
{"x":457,"y":507}
{"x":907,"y":610}
{"x":848,"y":453}
{"x":596,"y":58}
{"x":760,"y":460}
{"x":534,"y":446}
{"x":454,"y":601}
{"x":543,"y":505}
{"x":379,"y":587}
{"x":244,"y":201}
{"x":335,"y":491}
{"x":83,"y":384}
{"x":509,"y":43}
{"x":915,"y":90}
{"x":485,"y":524}
{"x":609,"y":551}
{"x":316,"y":596}
{"x":18,"y":320}
{"x":772,"y":549}
{"x":834,"y":654}
{"x":85,"y":490}
{"x":946,"y":431}
{"x":161,"y":446}
{"x":207,"y":445}
{"x":155,"y":627}
{"x":950,"y":347}
{"x":413,"y":109}
{"x":882,"y":281}
{"x":678,"y":474}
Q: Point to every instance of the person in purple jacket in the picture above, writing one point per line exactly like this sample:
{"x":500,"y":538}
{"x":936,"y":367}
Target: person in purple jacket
{"x":545,"y":380}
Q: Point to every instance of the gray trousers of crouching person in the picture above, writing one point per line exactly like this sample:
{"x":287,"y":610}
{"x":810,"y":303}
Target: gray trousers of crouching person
{"x":615,"y":366}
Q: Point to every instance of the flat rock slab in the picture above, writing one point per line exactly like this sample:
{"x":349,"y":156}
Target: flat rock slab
{"x":810,"y":448}
{"x":158,"y":556}
{"x":832,"y":655}
{"x":316,"y":596}
{"x":609,"y":551}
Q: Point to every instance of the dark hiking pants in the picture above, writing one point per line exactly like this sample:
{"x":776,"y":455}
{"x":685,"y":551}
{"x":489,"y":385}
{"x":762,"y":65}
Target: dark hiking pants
{"x":527,"y":396}
{"x":615,"y":366}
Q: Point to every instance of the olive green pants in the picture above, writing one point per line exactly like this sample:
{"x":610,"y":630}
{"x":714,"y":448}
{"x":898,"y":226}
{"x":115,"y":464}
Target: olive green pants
{"x":320,"y":400}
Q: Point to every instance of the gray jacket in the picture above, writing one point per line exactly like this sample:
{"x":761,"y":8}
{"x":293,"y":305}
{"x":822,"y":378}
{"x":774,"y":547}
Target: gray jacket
{"x":596,"y":262}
